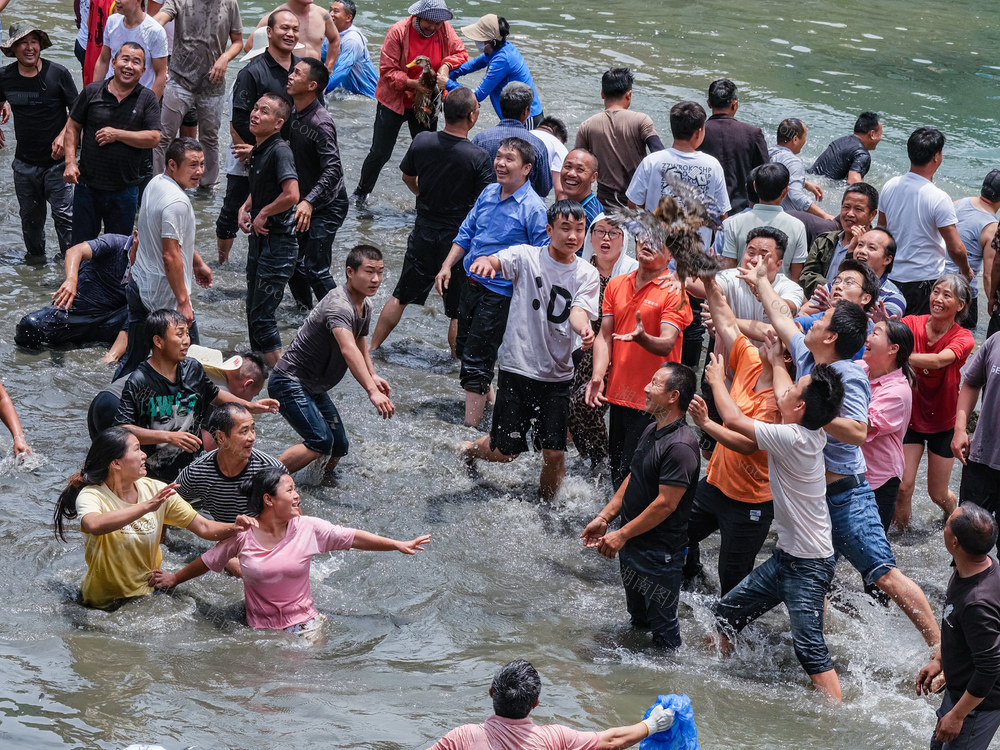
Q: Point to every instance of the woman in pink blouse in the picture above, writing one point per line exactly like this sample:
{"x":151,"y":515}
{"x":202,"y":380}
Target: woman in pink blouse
{"x":886,"y":357}
{"x":275,"y":556}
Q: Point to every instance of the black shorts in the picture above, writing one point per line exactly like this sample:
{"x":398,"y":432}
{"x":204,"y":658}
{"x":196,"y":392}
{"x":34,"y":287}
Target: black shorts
{"x":521,"y":401}
{"x":938,"y":443}
{"x":426,"y":250}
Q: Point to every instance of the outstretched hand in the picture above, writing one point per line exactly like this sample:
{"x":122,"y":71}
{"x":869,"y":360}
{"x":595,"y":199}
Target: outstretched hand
{"x":636,"y":333}
{"x":595,"y":530}
{"x":414,"y":546}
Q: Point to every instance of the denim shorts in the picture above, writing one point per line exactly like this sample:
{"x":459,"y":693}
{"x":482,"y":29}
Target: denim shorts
{"x":857,"y":530}
{"x":798,"y":582}
{"x":311,"y":415}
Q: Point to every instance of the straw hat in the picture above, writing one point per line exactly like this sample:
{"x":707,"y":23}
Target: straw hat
{"x":19,"y":30}
{"x":211,"y":359}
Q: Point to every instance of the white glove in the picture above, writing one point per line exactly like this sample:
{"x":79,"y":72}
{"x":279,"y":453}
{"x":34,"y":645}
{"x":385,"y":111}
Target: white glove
{"x":660,"y":720}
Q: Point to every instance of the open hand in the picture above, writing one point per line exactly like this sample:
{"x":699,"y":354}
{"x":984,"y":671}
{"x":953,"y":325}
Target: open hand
{"x":414,"y":546}
{"x":698,"y":410}
{"x":637,"y":332}
{"x":595,"y":530}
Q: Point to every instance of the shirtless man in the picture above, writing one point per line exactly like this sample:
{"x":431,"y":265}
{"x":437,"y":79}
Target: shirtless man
{"x":315,"y":24}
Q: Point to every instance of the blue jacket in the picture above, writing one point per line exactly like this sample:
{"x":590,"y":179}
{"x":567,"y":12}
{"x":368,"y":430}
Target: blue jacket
{"x":502,"y":67}
{"x":354,"y":70}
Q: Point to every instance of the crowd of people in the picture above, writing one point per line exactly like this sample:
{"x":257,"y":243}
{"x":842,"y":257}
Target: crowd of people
{"x":817,"y":354}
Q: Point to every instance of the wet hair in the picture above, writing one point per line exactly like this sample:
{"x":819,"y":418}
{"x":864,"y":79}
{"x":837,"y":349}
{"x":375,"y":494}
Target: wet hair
{"x":317,"y":73}
{"x":975,"y":529}
{"x":515,"y":689}
{"x":178,"y":150}
{"x":769,"y":180}
{"x":923,"y":145}
{"x":108,"y":446}
{"x":868,"y":191}
{"x":680,"y":378}
{"x":133,"y":46}
{"x":722,"y":93}
{"x":272,"y":19}
{"x":790,"y":128}
{"x":685,"y":119}
{"x":771,"y":233}
{"x":264,"y":482}
{"x":616,"y":82}
{"x":459,"y":104}
{"x":514,"y":99}
{"x":524,"y":149}
{"x":360,"y":253}
{"x":961,"y":289}
{"x":866,"y":122}
{"x":870,"y":283}
{"x":556,"y":126}
{"x":350,"y":6}
{"x":159,"y":321}
{"x":899,"y":333}
{"x":823,"y":397}
{"x":565,"y":209}
{"x":850,"y":323}
{"x":253,"y":367}
{"x":223,"y":417}
{"x":281,"y":106}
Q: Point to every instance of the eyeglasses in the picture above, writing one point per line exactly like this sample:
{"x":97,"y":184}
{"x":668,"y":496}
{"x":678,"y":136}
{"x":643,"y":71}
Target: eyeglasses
{"x":608,"y":234}
{"x":845,"y":282}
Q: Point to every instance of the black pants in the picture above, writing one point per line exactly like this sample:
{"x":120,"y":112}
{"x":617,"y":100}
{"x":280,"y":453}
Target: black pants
{"x":237,"y":190}
{"x":743,"y":527}
{"x":885,"y":498}
{"x":980,"y":485}
{"x":971,"y":315}
{"x":917,"y":295}
{"x":384,"y":135}
{"x":693,"y":336}
{"x":312,"y":268}
{"x":626,"y":426}
{"x":482,"y":321}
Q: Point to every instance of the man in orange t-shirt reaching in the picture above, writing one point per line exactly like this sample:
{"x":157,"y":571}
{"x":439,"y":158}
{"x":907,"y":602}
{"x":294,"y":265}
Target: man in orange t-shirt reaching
{"x":644,"y":314}
{"x":735,"y":495}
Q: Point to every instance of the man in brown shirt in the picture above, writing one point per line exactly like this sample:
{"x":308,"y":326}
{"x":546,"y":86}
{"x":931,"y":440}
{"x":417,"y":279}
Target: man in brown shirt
{"x":618,"y":137}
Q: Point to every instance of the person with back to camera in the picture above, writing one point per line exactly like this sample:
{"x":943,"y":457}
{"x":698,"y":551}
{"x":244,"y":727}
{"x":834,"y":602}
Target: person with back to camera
{"x":275,"y":555}
{"x":980,"y":454}
{"x":515,"y":691}
{"x":122,"y":513}
{"x":941,"y":347}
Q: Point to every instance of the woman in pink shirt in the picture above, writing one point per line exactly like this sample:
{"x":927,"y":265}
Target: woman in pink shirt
{"x":275,"y":556}
{"x":886,"y":358}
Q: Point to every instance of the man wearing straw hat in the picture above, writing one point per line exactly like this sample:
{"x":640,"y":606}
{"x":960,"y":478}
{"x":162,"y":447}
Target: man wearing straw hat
{"x":40,"y":92}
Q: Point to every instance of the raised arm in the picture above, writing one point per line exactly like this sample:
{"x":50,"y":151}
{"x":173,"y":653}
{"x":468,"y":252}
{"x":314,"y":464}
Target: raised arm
{"x":723,"y":318}
{"x":777,"y":310}
{"x":734,"y":418}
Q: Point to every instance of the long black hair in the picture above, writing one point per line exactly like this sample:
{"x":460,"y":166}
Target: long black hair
{"x":264,"y":483}
{"x":108,"y":446}
{"x":900,"y":334}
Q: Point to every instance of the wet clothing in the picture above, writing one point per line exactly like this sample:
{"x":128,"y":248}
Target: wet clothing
{"x":846,"y":154}
{"x":354,"y":70}
{"x":540,"y":177}
{"x":262,"y":75}
{"x":224,"y":497}
{"x":499,"y":733}
{"x":39,"y":104}
{"x":970,"y":637}
{"x":503,"y":66}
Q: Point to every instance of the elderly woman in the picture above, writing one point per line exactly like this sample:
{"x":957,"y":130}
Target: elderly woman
{"x":941,"y":347}
{"x":275,"y":556}
{"x":503,"y":63}
{"x":122,"y":513}
{"x":605,"y":247}
{"x":425,"y":31}
{"x":886,"y":357}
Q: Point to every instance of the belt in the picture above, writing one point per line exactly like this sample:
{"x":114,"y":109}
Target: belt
{"x":845,"y":484}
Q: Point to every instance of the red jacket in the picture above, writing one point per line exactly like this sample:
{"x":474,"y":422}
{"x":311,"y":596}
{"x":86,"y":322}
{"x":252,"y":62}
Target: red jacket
{"x":393,"y":73}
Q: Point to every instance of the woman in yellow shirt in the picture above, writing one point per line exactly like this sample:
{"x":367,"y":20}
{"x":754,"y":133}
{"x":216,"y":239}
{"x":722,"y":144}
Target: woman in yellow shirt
{"x":122,"y":513}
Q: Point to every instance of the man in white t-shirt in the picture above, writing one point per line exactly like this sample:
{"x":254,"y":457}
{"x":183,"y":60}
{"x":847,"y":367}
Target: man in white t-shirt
{"x":166,"y":261}
{"x":130,"y":23}
{"x":682,"y":161}
{"x":555,"y":296}
{"x":922,"y":219}
{"x":802,"y":566}
{"x":552,"y":132}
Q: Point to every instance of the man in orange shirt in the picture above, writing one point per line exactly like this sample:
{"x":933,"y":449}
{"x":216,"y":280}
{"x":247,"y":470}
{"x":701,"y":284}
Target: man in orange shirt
{"x":735,"y":496}
{"x":644,"y":314}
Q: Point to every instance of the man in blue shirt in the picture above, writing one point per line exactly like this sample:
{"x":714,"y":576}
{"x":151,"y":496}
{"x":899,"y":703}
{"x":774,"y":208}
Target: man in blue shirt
{"x":506,"y":213}
{"x":515,"y":109}
{"x":578,"y":176}
{"x":354,"y":70}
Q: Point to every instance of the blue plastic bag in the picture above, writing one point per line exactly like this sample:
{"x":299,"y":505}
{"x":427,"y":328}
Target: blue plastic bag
{"x":683,"y":735}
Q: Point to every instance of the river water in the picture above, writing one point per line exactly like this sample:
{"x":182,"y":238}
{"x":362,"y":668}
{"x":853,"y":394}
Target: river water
{"x":411,"y":643}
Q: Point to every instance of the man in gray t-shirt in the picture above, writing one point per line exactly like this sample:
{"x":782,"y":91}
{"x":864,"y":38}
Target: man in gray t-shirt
{"x":330,"y":342}
{"x":980,"y":457}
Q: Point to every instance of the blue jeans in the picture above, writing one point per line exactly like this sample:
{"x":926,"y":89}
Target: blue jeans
{"x":92,"y":207}
{"x":857,"y":528}
{"x":312,"y":269}
{"x":36,"y":186}
{"x":270,"y":263}
{"x":138,"y":346}
{"x":312,"y":415}
{"x":802,"y":585}
{"x":652,"y":582}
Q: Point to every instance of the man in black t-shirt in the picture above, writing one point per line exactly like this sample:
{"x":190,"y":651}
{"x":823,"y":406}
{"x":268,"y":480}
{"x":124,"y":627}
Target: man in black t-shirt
{"x":654,"y":502}
{"x":447,"y":172}
{"x":847,"y":158}
{"x":40,"y":93}
{"x":267,"y":216}
{"x":970,"y":636}
{"x":119,"y":120}
{"x":169,"y":397}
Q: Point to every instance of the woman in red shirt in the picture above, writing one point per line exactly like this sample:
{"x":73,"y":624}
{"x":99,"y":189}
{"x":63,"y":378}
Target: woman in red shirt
{"x":941,"y":347}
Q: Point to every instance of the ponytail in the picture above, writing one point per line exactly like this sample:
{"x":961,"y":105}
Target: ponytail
{"x":108,"y":446}
{"x":899,"y":333}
